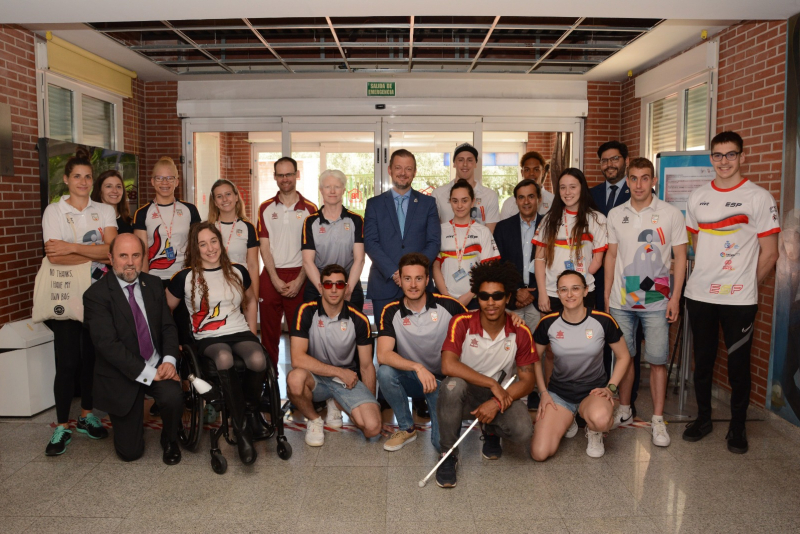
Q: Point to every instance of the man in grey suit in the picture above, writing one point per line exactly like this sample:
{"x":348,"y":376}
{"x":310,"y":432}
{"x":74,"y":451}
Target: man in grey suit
{"x":136,"y":342}
{"x":397,"y":222}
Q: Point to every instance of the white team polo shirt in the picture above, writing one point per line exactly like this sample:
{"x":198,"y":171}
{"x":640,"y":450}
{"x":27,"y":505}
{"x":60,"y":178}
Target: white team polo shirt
{"x":730,"y":223}
{"x":510,"y":208}
{"x":513,"y":347}
{"x":644,"y":242}
{"x":477,"y":246}
{"x":283,"y":226}
{"x":485,"y":210}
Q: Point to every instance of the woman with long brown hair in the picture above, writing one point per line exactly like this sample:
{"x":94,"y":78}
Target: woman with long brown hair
{"x":110,"y":189}
{"x":76,"y":231}
{"x":223,"y":307}
{"x":571,"y":237}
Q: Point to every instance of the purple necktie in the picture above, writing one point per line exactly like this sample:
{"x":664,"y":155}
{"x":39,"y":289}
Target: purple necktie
{"x":142,"y":332}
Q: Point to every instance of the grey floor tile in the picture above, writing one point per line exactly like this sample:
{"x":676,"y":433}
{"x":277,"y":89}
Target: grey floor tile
{"x":505,"y":492}
{"x":109,"y":490}
{"x":728,"y":523}
{"x":636,"y":444}
{"x":20,"y":442}
{"x":170,"y":524}
{"x":431,"y":527}
{"x":32,"y":490}
{"x":610,"y":525}
{"x":527,"y":526}
{"x":57,"y":525}
{"x":9,"y":468}
{"x":351,"y":449}
{"x":345,"y":493}
{"x":352,"y":526}
{"x":408,"y":502}
{"x":592,"y":491}
{"x":15,"y":524}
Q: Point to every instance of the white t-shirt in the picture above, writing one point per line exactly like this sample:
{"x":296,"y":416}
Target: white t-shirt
{"x":167,"y":228}
{"x":64,"y":222}
{"x":238,"y":238}
{"x":728,"y":223}
{"x":485,"y":210}
{"x":283,"y":226}
{"x":478,"y":246}
{"x":571,"y":257}
{"x":644,"y":254}
{"x":510,"y":208}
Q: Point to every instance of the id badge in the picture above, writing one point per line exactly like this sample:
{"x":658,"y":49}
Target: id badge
{"x":459,"y":274}
{"x":170,"y":252}
{"x":569,"y":266}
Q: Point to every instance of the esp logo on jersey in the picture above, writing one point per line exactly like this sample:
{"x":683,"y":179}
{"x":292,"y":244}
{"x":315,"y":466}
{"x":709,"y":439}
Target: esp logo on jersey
{"x":732,"y":204}
{"x":726,"y":289}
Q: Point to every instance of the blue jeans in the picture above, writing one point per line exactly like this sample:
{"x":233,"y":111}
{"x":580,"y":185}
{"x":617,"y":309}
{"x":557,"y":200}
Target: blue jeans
{"x":656,"y":332}
{"x":397,"y":386}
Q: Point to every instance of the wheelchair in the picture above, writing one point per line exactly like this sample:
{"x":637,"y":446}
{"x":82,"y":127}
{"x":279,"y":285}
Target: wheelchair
{"x":195,"y":407}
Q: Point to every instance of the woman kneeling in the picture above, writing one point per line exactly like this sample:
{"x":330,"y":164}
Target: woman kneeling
{"x":576,"y":337}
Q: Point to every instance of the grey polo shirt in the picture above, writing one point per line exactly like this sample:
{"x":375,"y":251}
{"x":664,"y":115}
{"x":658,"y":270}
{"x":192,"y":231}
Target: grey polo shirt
{"x":577,"y":352}
{"x":333,"y":240}
{"x":332,"y":340}
{"x":419,"y":336}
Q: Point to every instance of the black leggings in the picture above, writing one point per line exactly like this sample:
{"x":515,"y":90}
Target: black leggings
{"x":74,"y":354}
{"x":249,"y":351}
{"x":737,"y":330}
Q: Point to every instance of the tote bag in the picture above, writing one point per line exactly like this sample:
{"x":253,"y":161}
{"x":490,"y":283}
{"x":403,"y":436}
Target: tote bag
{"x":58,"y":292}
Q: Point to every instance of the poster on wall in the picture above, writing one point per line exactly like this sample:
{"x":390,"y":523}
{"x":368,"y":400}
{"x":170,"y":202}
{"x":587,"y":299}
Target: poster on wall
{"x":53,"y":156}
{"x":783,"y":397}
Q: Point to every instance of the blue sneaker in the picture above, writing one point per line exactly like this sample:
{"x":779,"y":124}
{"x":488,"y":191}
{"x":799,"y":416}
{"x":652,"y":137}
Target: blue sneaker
{"x":92,"y":427}
{"x":58,"y":442}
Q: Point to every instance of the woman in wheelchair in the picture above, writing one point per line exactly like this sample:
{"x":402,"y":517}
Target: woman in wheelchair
{"x":223,"y":309}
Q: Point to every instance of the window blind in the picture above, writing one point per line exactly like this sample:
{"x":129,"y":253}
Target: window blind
{"x":59,"y":111}
{"x":663,"y":125}
{"x":98,"y":122}
{"x":696,"y":118}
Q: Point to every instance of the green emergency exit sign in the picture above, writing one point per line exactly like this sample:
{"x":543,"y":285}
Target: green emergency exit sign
{"x":380,"y":89}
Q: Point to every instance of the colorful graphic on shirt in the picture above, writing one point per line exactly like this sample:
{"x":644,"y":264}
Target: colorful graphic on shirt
{"x":726,"y":226}
{"x":203,"y":321}
{"x":156,"y":250}
{"x":646,"y":279}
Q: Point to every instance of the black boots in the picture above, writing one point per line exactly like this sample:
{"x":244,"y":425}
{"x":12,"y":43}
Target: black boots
{"x":234,"y":399}
{"x":253,"y":391}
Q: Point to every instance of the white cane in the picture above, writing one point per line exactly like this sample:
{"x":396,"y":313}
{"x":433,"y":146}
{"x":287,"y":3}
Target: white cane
{"x":463,"y":435}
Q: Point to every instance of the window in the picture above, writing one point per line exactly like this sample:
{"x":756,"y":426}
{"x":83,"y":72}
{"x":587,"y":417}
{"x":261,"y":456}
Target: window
{"x":677,"y":119}
{"x":81,"y":114}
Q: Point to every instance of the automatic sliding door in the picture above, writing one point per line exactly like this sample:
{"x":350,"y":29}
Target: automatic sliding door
{"x":433,"y":152}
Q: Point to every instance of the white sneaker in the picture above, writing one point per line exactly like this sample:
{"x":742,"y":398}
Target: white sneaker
{"x":333,"y":418}
{"x":315,"y":436}
{"x":572,"y":431}
{"x":660,"y":436}
{"x":595,"y":448}
{"x":621,"y":417}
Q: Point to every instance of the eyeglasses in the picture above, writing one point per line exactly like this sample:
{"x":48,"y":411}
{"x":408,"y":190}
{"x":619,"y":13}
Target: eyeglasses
{"x":327,"y":284}
{"x":160,"y":179}
{"x":287,"y":175}
{"x":497,"y":295}
{"x":574,"y":289}
{"x":612,"y":159}
{"x":730,"y":156}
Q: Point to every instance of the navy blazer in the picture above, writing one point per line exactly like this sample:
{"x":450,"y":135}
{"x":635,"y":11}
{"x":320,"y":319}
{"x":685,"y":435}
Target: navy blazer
{"x":508,"y":238}
{"x":599,"y":196}
{"x":385,"y":246}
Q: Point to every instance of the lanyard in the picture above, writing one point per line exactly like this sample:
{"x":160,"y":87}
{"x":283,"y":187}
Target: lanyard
{"x":233,"y":227}
{"x":578,"y":247}
{"x":460,"y":250}
{"x":158,"y":211}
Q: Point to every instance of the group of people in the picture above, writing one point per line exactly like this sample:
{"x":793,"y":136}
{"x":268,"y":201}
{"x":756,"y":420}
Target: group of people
{"x":462,"y":300}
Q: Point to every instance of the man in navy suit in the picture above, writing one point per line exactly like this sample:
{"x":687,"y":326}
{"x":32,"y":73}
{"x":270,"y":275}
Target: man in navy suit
{"x":397,"y":222}
{"x":613,"y":192}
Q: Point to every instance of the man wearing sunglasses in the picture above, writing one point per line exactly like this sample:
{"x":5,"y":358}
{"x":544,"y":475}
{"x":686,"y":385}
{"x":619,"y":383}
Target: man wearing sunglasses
{"x":734,"y":224}
{"x":481,"y":348}
{"x":410,"y":339}
{"x":325,"y":336}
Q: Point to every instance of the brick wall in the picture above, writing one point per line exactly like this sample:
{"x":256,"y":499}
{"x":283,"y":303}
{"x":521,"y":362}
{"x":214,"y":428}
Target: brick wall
{"x":133,"y":120}
{"x":235,"y":163}
{"x":631,"y":118}
{"x":603,"y":123}
{"x":21,"y":233}
{"x":162,"y":133}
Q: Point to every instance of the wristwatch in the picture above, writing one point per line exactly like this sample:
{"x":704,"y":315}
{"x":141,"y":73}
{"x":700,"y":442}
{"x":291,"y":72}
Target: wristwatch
{"x":612,"y":388}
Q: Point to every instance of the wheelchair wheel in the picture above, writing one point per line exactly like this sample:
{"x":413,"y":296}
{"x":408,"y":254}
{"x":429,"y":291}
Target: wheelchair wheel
{"x":284,"y":449}
{"x":193,"y":404}
{"x":218,"y":463}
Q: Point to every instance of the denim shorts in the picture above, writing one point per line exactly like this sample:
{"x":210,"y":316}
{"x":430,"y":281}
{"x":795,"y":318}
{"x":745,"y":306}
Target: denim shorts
{"x":571,"y":406}
{"x":348,"y":399}
{"x":656,"y":333}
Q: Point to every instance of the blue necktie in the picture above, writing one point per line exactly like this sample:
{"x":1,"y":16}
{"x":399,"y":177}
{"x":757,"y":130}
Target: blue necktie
{"x":142,"y":331}
{"x":610,"y":201}
{"x":401,"y":215}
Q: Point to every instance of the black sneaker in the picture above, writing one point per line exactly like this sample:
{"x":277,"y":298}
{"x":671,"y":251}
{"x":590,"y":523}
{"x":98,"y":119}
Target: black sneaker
{"x":697,"y":430}
{"x":446,"y":474}
{"x":59,"y":441}
{"x":92,"y":427}
{"x":421,"y":407}
{"x":533,"y":401}
{"x":492,"y":450}
{"x":737,"y":440}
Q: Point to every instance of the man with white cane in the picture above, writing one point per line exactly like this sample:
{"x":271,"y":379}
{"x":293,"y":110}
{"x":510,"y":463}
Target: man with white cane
{"x":480,"y":347}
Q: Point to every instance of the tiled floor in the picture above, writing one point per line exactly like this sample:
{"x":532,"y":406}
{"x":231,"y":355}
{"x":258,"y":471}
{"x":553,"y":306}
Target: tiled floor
{"x":351,"y":485}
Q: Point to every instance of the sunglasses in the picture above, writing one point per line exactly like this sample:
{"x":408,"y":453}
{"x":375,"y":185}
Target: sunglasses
{"x":327,"y":284}
{"x":497,"y":295}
